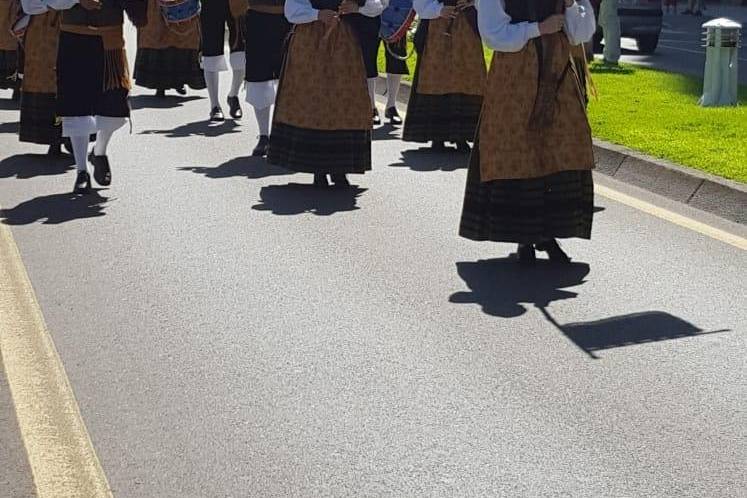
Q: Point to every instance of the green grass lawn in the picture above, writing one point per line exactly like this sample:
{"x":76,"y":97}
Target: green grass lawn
{"x":657,"y":113}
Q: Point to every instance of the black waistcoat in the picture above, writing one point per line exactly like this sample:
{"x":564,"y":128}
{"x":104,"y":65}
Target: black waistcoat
{"x":531,"y":10}
{"x":111,"y":13}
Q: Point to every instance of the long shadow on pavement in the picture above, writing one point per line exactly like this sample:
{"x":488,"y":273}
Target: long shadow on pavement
{"x":425,"y":160}
{"x":9,"y":105}
{"x":248,"y":167}
{"x":386,"y":132}
{"x":56,"y":208}
{"x":505,"y":289}
{"x":10,"y":127}
{"x":198,"y":129}
{"x":25,"y":166}
{"x":295,"y":199}
{"x":153,"y":102}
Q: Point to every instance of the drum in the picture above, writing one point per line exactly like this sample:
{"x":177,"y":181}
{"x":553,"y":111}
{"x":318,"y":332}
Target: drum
{"x":179,"y":11}
{"x":19,"y":27}
{"x":396,"y":20}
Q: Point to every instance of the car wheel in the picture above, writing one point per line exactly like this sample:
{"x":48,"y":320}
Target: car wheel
{"x":647,"y":44}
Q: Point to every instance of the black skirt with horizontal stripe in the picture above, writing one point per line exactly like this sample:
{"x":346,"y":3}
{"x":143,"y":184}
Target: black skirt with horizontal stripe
{"x":441,"y":118}
{"x":8,"y":68}
{"x":527,"y":211}
{"x":162,"y":69}
{"x":39,"y":122}
{"x":320,"y":151}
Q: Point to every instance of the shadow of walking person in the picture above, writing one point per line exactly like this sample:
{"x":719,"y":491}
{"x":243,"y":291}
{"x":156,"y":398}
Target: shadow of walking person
{"x":56,"y":208}
{"x":24,"y":166}
{"x":152,"y":102}
{"x":425,"y":160}
{"x":503,"y":288}
{"x":250,"y":167}
{"x":296,"y":198}
{"x":201,"y":128}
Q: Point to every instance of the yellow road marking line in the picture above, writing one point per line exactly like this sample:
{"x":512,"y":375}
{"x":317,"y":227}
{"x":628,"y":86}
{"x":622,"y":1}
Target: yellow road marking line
{"x":61,"y":455}
{"x":672,"y":217}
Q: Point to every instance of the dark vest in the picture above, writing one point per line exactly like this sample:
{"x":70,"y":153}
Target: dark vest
{"x":111,"y":13}
{"x":531,"y":10}
{"x":332,"y":4}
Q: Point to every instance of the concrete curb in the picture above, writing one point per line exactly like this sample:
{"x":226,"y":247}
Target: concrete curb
{"x":719,"y":196}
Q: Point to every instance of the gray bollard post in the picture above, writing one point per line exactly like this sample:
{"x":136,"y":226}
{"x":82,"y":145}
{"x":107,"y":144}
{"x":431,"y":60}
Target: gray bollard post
{"x":723,"y":39}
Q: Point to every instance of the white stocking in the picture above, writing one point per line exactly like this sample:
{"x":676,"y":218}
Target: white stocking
{"x":392,"y":89}
{"x":80,"y":151}
{"x":372,"y":91}
{"x":106,"y":128}
{"x":263,"y":120}
{"x":212,"y":79}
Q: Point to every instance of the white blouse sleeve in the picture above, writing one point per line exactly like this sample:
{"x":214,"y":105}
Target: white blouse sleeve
{"x":373,"y":8}
{"x":579,"y":22}
{"x":34,"y":7}
{"x":300,"y":12}
{"x":428,"y":9}
{"x":497,"y":31}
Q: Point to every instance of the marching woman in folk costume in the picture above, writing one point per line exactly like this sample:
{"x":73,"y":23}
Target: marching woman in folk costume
{"x":529,"y":180}
{"x":39,"y":121}
{"x":215,"y":16}
{"x":93,"y":80}
{"x":168,"y":54}
{"x":449,"y":77}
{"x":8,"y":47}
{"x":322,"y":122}
{"x":267,"y":30}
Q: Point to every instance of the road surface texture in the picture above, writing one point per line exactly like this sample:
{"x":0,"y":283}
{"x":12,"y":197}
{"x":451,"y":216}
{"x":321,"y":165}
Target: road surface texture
{"x":681,"y":44}
{"x":229,"y":331}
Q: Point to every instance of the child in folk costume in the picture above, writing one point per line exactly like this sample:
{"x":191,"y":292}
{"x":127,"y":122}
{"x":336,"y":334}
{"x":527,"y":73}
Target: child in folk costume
{"x":93,"y":80}
{"x":529,"y":180}
{"x":267,"y":30}
{"x":39,"y":122}
{"x":396,"y":67}
{"x":8,"y":47}
{"x":449,"y":78}
{"x":322,"y":122}
{"x":168,"y":56}
{"x":214,"y":17}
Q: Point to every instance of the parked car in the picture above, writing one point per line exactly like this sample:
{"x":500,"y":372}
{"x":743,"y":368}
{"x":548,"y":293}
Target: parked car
{"x":640,"y":20}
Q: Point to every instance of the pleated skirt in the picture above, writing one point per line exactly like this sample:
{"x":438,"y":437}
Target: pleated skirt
{"x":166,"y":68}
{"x":39,"y":122}
{"x":527,"y":211}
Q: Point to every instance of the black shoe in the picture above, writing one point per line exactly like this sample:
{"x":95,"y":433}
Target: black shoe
{"x":320,"y":180}
{"x":263,"y":146}
{"x":160,"y":93}
{"x":55,"y":150}
{"x":376,"y":117}
{"x":554,"y":251}
{"x":181,"y":90}
{"x":102,"y":173}
{"x":463,"y":147}
{"x":437,"y":146}
{"x":234,"y":108}
{"x":82,"y":183}
{"x":393,"y":116}
{"x":340,"y":180}
{"x":217,"y":114}
{"x":526,"y":254}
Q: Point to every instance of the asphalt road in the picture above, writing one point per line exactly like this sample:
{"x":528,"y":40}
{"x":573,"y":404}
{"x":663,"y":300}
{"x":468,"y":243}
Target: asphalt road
{"x":229,"y":331}
{"x":680,"y":47}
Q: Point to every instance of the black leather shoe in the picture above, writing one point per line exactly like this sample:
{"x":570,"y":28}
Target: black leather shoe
{"x":55,"y":150}
{"x":340,"y":180}
{"x":393,"y":116}
{"x":554,"y":251}
{"x":217,"y":114}
{"x":234,"y":108}
{"x":526,"y":254}
{"x":376,"y":117}
{"x":438,"y":146}
{"x":160,"y":93}
{"x":263,"y":146}
{"x":102,"y":173}
{"x":463,"y":147}
{"x":320,"y":180}
{"x":82,"y":183}
{"x":181,"y":90}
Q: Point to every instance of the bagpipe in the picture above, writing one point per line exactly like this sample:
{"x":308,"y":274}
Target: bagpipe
{"x":396,"y":21}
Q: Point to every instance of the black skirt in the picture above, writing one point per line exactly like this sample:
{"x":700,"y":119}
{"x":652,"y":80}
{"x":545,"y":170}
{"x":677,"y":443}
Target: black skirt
{"x":39,"y":123}
{"x":266,"y":38}
{"x":80,"y":79}
{"x":442,"y":118}
{"x":168,"y":68}
{"x":527,"y":211}
{"x":320,"y":151}
{"x":8,"y":68}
